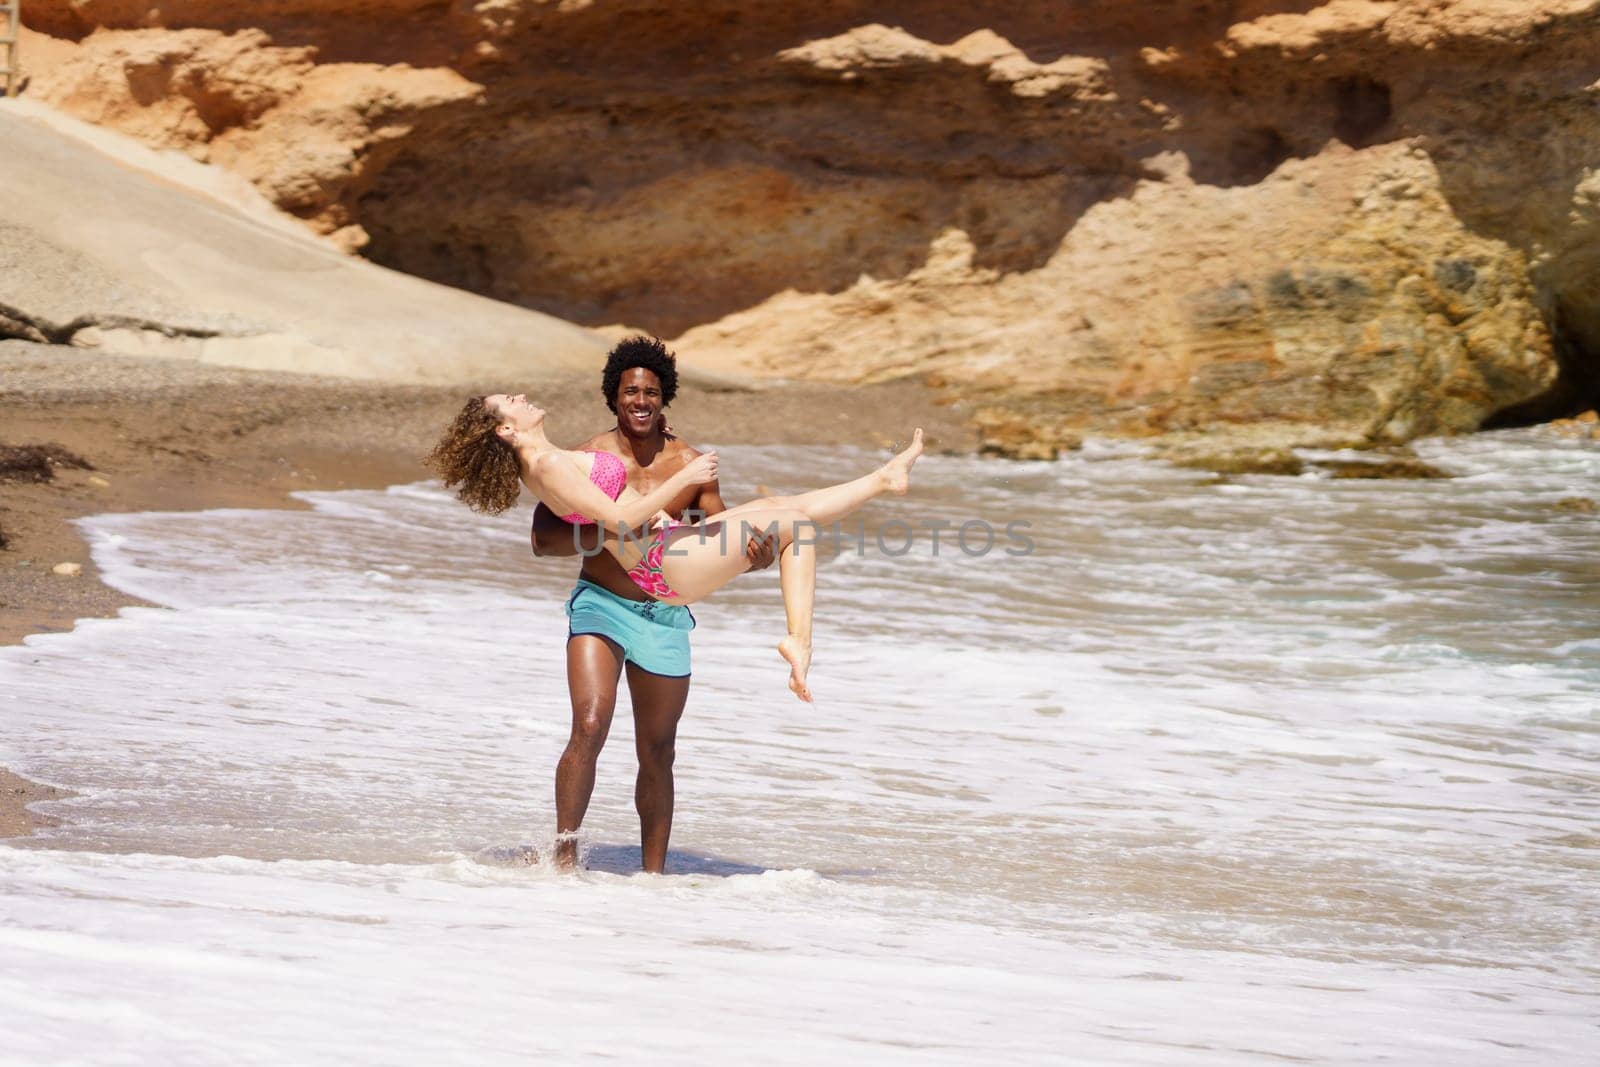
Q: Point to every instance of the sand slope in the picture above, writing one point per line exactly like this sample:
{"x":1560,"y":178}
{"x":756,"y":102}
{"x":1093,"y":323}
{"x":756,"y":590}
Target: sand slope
{"x":120,"y":252}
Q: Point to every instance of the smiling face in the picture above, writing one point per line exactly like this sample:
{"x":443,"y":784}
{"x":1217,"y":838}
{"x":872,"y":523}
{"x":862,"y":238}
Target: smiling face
{"x":638,"y":402}
{"x":517,"y":414}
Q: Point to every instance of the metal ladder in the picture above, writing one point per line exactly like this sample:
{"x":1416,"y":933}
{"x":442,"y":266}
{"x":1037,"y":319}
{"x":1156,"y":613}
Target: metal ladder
{"x":10,"y":24}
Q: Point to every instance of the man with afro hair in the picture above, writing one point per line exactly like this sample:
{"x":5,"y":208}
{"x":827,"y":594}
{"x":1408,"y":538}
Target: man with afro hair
{"x":613,"y":627}
{"x":640,"y":353}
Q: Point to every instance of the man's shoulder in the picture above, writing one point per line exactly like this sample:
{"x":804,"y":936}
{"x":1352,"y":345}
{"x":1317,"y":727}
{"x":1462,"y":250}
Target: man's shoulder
{"x":600,"y":442}
{"x":678,"y":448}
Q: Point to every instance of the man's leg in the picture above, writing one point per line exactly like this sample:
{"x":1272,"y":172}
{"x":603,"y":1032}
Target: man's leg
{"x":658,"y":703}
{"x":593,"y":666}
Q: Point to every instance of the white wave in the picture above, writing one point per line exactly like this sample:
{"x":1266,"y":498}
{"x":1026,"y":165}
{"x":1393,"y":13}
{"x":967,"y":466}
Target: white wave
{"x":1218,"y":773}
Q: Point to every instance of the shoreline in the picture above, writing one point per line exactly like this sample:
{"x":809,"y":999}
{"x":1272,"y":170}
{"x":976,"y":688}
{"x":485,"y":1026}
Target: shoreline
{"x":168,"y":435}
{"x":174,"y":435}
{"x":16,"y":793}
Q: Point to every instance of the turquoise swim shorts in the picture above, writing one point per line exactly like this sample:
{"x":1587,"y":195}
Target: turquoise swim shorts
{"x":653,"y":636}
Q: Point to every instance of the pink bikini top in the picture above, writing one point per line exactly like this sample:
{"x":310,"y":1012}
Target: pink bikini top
{"x":609,"y":476}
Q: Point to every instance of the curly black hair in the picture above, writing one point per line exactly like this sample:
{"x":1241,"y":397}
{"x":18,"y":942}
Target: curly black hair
{"x":640,"y":351}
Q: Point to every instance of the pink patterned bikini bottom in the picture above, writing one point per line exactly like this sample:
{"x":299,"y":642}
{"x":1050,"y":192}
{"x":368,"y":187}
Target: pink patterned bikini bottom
{"x":646,"y":574}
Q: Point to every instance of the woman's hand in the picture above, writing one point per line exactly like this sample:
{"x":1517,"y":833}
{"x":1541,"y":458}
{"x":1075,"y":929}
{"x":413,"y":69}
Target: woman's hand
{"x":701,"y":470}
{"x":660,"y":519}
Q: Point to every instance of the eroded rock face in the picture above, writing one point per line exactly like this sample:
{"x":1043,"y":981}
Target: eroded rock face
{"x":1345,"y":222}
{"x":1340,"y":294}
{"x":310,"y":135}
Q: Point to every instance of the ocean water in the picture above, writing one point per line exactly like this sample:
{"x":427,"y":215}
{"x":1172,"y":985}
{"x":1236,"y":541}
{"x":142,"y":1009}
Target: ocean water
{"x":1181,"y":770}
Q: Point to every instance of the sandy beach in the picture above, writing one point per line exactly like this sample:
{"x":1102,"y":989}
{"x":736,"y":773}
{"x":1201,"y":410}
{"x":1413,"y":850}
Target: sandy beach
{"x":1221,"y":690}
{"x":1225,"y":766}
{"x":174,"y":435}
{"x":16,"y":793}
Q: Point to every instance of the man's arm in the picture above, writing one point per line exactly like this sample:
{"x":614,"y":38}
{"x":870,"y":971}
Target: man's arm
{"x":554,"y":537}
{"x":760,"y":551}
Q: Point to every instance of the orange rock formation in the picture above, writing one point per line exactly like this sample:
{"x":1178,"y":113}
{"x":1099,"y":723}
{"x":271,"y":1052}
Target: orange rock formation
{"x":1345,"y":222}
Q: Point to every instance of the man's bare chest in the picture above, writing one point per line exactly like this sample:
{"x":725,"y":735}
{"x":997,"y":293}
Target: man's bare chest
{"x":646,"y":480}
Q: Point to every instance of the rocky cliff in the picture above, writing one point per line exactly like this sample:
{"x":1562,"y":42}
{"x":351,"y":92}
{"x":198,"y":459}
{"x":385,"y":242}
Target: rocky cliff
{"x":1344,"y":222}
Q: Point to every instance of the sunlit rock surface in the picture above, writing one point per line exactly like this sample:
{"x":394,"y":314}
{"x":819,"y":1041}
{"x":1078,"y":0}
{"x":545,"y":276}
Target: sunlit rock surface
{"x":107,"y":245}
{"x":1351,"y":222}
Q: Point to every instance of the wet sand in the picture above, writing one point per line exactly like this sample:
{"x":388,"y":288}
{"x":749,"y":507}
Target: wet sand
{"x":164,"y":435}
{"x":15,"y":795}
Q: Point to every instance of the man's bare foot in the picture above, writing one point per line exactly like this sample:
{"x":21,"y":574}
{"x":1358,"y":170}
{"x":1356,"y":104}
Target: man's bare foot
{"x":566,"y":855}
{"x":898,"y":470}
{"x":798,"y":652}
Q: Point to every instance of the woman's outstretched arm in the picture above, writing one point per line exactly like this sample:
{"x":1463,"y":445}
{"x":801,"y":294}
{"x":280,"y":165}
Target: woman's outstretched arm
{"x":559,"y":484}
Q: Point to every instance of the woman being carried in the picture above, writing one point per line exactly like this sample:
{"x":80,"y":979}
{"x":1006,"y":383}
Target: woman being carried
{"x":497,"y":444}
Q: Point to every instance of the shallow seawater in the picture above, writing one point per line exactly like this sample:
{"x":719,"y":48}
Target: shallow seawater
{"x":1180,"y":770}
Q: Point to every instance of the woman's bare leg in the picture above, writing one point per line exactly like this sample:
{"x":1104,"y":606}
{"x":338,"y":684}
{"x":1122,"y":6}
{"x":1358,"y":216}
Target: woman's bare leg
{"x":697,"y":566}
{"x":797,"y":575}
{"x":828,"y":505}
{"x":700,"y":560}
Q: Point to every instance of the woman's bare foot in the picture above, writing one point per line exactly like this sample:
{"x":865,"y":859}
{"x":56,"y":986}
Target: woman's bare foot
{"x":797,"y":651}
{"x":898,"y":470}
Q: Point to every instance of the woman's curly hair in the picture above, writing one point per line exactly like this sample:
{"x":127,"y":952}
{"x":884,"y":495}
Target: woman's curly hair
{"x":472,"y":455}
{"x":640,"y":351}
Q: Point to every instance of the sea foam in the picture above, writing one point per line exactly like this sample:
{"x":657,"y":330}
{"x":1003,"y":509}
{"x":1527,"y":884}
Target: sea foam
{"x":1221,"y":771}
